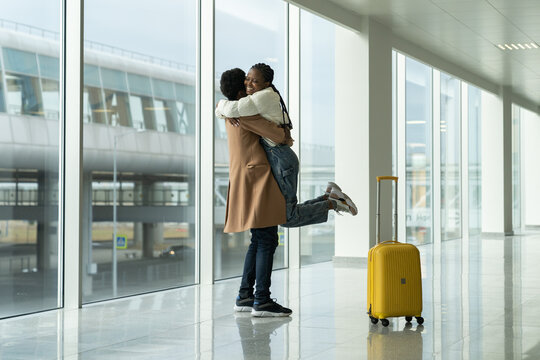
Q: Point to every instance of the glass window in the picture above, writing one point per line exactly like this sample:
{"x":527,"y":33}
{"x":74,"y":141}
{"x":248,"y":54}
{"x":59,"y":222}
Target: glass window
{"x":50,"y":90}
{"x":24,"y":96}
{"x":49,"y":67}
{"x":29,"y":186}
{"x":317,"y":130}
{"x":450,"y":137}
{"x":91,"y":76}
{"x":113,"y":79}
{"x":418,"y":135}
{"x":240,"y":26}
{"x":152,"y":244}
{"x":23,"y":62}
{"x":117,"y":107}
{"x":139,"y":85}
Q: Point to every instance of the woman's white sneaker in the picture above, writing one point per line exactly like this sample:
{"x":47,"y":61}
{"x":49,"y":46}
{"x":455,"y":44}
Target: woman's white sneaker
{"x":331,"y":185}
{"x":342,"y":202}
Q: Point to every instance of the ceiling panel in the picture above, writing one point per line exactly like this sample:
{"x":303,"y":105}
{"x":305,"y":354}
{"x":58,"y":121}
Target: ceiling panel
{"x":466,"y":32}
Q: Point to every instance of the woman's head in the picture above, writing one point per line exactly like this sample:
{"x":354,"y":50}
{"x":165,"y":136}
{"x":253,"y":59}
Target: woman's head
{"x":232,"y":84}
{"x":259,"y":77}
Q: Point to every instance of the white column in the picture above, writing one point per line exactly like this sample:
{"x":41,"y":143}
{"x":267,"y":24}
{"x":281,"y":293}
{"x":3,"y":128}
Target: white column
{"x":363,"y":133}
{"x":507,"y":159}
{"x":206,"y":144}
{"x":71,"y":164}
{"x":492,"y":164}
{"x":380,"y":126}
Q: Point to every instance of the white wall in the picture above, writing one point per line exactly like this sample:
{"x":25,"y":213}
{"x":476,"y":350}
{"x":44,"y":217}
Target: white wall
{"x":530,"y":169}
{"x":363,"y":132}
{"x":352,"y":142}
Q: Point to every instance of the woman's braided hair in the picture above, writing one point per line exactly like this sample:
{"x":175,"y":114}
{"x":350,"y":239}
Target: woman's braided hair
{"x":268,"y":75}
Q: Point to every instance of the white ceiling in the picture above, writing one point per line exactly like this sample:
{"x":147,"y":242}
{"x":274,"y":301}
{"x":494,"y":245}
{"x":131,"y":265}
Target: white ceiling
{"x":466,"y":33}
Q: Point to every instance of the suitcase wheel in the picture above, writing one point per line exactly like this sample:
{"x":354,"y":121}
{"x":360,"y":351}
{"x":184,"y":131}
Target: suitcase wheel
{"x":374,"y":320}
{"x":408,"y":318}
{"x":385,"y":322}
{"x":419,"y":320}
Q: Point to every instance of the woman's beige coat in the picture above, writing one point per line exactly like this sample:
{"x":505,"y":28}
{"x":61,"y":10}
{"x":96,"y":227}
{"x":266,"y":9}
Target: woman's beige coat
{"x":254,"y":199}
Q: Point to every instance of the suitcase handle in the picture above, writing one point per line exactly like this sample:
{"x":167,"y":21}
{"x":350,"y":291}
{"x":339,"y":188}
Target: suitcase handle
{"x":379,"y":178}
{"x":377,"y":220}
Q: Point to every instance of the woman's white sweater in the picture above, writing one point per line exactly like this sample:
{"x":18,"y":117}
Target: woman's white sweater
{"x":264,"y":102}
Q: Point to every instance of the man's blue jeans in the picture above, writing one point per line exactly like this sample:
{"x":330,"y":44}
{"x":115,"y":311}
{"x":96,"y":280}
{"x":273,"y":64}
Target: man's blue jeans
{"x":285,"y":167}
{"x":258,"y":264}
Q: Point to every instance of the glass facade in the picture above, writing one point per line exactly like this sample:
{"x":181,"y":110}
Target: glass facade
{"x":30,"y":254}
{"x":238,"y":45}
{"x":317,"y":130}
{"x":139,"y":149}
{"x":418,"y":133}
{"x":414,"y":90}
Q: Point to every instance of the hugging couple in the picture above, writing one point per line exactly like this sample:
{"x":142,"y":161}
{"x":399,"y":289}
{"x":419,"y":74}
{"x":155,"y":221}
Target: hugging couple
{"x":263,"y":176}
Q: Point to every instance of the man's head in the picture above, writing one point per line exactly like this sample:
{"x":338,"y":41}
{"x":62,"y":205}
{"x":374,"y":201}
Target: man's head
{"x":232,"y":84}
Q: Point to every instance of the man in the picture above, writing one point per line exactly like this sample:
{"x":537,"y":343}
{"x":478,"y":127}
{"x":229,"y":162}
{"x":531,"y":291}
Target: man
{"x":254,"y":201}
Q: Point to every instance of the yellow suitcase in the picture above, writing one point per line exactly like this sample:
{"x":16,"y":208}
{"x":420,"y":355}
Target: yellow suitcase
{"x":394,"y":275}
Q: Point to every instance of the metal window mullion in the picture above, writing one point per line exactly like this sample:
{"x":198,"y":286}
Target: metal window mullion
{"x":206,"y":137}
{"x":197,"y":188}
{"x":293,"y":93}
{"x":465,"y":250}
{"x":436,"y":159}
{"x":436,"y":207}
{"x":128,"y":92}
{"x":40,"y":84}
{"x":401,"y":148}
{"x":286,"y":93}
{"x":103,"y":98}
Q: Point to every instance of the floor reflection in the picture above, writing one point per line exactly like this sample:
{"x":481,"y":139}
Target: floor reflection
{"x":481,"y":300}
{"x":388,"y":344}
{"x":256,"y":334}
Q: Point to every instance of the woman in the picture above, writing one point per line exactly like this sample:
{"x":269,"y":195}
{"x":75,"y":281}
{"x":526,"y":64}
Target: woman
{"x":264,"y":99}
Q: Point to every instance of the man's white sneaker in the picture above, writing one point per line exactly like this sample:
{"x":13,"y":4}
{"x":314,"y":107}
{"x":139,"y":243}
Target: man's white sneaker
{"x":342,"y":202}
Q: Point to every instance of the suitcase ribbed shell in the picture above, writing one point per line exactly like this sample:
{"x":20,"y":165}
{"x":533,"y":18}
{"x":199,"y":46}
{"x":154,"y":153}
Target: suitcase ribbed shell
{"x":394,"y":280}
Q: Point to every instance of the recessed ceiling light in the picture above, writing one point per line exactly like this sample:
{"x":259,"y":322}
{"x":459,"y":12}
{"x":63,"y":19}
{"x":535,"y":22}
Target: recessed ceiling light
{"x":518,"y":46}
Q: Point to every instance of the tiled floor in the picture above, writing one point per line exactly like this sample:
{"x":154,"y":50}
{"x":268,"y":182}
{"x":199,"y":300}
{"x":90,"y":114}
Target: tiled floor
{"x":481,"y":301}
